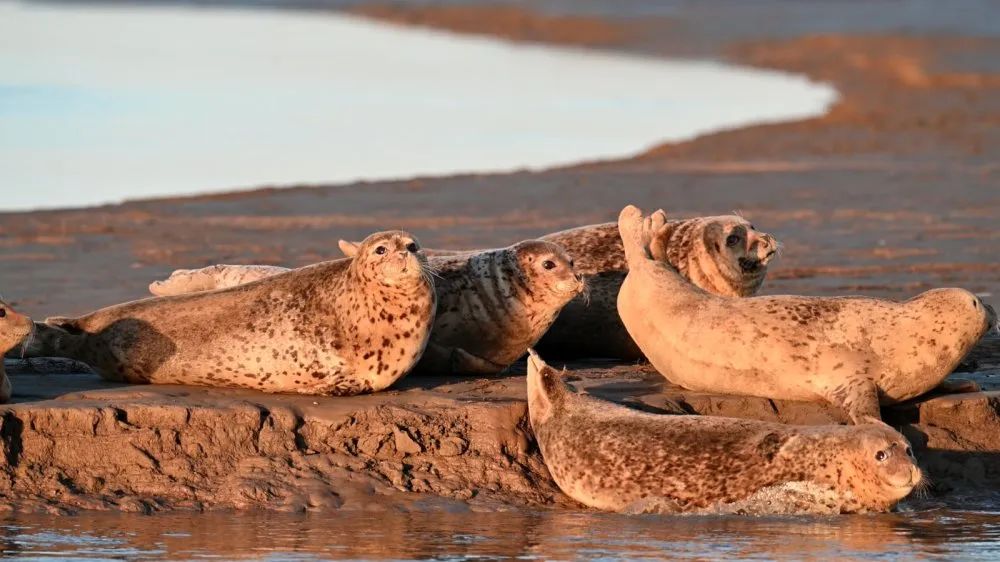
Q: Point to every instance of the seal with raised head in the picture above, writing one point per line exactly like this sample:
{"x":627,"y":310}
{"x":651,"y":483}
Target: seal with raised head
{"x":342,"y":327}
{"x":492,"y":304}
{"x":614,"y":458}
{"x":14,"y":328}
{"x":854,"y":352}
{"x":724,"y":255}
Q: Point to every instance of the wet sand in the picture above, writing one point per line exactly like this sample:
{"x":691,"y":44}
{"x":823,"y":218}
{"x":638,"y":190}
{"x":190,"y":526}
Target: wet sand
{"x":896,"y":190}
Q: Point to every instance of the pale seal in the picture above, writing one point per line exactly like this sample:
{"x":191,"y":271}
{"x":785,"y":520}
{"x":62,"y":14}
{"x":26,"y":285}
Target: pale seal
{"x":492,"y":304}
{"x":855,"y":352}
{"x":614,"y":458}
{"x":14,"y":328}
{"x":342,"y":327}
{"x":725,"y":255}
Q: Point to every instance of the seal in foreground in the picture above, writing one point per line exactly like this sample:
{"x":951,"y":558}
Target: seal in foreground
{"x":492,"y":304}
{"x":614,"y":458}
{"x":342,"y":327}
{"x":854,"y":352}
{"x":14,"y":328}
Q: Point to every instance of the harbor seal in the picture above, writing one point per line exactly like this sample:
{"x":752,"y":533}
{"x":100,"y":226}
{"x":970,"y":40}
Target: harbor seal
{"x":492,"y":304}
{"x":340,"y":328}
{"x":854,"y":352}
{"x":14,"y":328}
{"x":614,"y":458}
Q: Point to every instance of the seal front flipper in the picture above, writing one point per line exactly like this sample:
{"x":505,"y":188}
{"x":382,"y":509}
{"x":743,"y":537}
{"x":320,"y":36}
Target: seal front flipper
{"x":464,"y":363}
{"x":857,"y":397}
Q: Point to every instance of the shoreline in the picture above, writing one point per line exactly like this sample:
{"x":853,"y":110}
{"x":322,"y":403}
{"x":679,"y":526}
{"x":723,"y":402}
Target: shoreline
{"x":892,"y":192}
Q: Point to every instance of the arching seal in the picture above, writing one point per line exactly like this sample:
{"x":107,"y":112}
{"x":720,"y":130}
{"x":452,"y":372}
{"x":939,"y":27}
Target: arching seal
{"x":613,"y":458}
{"x":14,"y":328}
{"x":725,"y":255}
{"x":342,"y":327}
{"x":492,"y":304}
{"x":854,"y":352}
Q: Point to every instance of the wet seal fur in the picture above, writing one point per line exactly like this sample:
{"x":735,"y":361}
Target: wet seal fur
{"x":854,"y":352}
{"x":340,"y":328}
{"x":14,"y":328}
{"x":614,"y":458}
{"x":725,"y":255}
{"x":492,"y":304}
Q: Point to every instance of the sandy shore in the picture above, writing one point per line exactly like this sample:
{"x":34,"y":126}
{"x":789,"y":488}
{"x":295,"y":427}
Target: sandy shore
{"x":896,"y":190}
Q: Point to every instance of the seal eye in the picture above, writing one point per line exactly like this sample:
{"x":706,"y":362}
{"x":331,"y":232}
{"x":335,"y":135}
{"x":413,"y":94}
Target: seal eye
{"x":909,"y":452}
{"x":380,"y":250}
{"x":752,"y":227}
{"x":975,"y":303}
{"x":412,"y":247}
{"x":732,"y":240}
{"x":549,"y":264}
{"x":3,"y":312}
{"x":880,"y":456}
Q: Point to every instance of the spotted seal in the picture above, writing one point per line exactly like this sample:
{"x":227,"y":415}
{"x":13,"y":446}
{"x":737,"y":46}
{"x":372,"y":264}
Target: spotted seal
{"x":341,"y":327}
{"x":614,"y":458}
{"x":492,"y":304}
{"x":14,"y":328}
{"x":854,"y":352}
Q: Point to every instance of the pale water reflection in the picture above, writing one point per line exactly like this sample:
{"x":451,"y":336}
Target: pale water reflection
{"x":523,"y":535}
{"x":104,"y":102}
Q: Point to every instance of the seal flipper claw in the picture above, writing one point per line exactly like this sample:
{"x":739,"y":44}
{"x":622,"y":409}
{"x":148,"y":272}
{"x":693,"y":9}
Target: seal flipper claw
{"x":858,"y":397}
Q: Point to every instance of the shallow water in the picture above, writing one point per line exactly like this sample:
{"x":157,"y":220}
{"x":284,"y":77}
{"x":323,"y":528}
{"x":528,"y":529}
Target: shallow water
{"x":524,"y":535}
{"x":104,"y":102}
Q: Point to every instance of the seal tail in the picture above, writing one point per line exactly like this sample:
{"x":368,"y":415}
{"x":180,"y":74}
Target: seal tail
{"x":546,"y":388}
{"x":637,"y":233}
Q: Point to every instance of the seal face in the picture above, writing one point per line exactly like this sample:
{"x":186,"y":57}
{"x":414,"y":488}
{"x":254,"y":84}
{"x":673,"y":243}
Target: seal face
{"x":613,"y":458}
{"x":851,"y":351}
{"x":14,"y":328}
{"x":494,"y":304}
{"x":724,"y":255}
{"x":341,"y":327}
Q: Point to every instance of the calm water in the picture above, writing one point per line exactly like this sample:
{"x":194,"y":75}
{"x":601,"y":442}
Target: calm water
{"x":526,"y":535}
{"x":104,"y":102}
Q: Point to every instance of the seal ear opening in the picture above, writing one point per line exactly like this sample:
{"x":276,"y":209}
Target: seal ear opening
{"x":350,"y":249}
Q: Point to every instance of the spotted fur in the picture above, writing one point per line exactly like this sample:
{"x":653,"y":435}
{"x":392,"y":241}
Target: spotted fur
{"x":613,"y":458}
{"x":14,"y":328}
{"x":341,"y":327}
{"x":854,"y":352}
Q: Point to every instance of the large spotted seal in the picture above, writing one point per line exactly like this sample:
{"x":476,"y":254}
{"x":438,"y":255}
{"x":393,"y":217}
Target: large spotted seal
{"x":725,"y":255}
{"x":14,"y":328}
{"x":492,"y":304}
{"x":342,"y":327}
{"x":854,"y":352}
{"x":614,"y":458}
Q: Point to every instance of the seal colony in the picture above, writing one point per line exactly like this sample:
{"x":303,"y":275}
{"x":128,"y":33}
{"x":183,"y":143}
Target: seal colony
{"x":678,"y":292}
{"x":613,"y":458}
{"x":492,"y":304}
{"x":341,"y":327}
{"x":853,"y":352}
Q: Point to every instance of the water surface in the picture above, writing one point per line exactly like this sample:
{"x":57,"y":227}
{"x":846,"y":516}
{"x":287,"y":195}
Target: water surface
{"x":522,"y":535}
{"x":104,"y":102}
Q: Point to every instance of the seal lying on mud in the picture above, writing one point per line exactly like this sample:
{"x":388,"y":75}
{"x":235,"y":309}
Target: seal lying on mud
{"x":342,"y":327}
{"x":854,"y":352}
{"x":724,"y":255}
{"x":614,"y":458}
{"x":14,"y":328}
{"x":492,"y":304}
